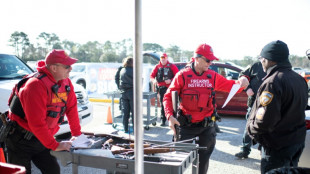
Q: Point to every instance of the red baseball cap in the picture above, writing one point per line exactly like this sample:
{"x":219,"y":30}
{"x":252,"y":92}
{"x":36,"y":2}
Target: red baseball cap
{"x":206,"y":51}
{"x":164,"y":55}
{"x":59,"y":56}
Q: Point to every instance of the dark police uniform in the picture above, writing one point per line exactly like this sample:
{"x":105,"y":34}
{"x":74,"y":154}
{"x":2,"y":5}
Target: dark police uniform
{"x":277,"y":120}
{"x":256,"y":74}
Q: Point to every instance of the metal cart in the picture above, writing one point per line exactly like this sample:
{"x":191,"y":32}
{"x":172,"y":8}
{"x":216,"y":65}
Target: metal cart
{"x":186,"y":160}
{"x":147,"y":119}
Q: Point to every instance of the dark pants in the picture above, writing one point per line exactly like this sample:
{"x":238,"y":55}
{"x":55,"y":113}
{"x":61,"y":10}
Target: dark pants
{"x":207,"y":138}
{"x":162,"y":91}
{"x":285,"y":157}
{"x":246,"y":140}
{"x":22,"y":152}
{"x":127,"y":106}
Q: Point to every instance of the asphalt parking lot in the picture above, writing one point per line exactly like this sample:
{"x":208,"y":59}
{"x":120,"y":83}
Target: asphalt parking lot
{"x":222,"y":159}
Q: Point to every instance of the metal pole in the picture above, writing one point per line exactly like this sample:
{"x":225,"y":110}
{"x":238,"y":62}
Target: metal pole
{"x":138,"y":90}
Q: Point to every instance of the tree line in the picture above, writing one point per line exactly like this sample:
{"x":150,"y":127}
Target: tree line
{"x":94,"y":51}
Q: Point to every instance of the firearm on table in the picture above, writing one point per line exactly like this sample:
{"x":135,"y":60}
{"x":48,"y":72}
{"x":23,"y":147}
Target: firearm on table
{"x":146,"y":151}
{"x":175,"y":100}
{"x":131,"y":145}
{"x":113,"y":136}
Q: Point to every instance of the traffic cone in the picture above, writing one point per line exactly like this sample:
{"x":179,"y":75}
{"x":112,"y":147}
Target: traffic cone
{"x":109,"y":116}
{"x":2,"y":158}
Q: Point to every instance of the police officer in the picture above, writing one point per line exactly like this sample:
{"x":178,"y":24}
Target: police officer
{"x":126,"y":89}
{"x":45,"y":98}
{"x":277,"y":120}
{"x":256,"y":74}
{"x":162,"y":76}
{"x":195,"y":85}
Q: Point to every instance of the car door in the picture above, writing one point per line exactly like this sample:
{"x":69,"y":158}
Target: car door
{"x":238,"y":104}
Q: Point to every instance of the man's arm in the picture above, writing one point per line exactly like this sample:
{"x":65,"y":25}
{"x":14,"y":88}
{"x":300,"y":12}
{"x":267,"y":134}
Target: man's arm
{"x":117,"y":76}
{"x":153,"y":75}
{"x":176,"y":85}
{"x":72,"y":113}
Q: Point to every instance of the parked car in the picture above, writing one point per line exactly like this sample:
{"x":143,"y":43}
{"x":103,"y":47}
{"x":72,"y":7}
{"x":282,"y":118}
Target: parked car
{"x":78,"y":74}
{"x":12,"y":69}
{"x":298,"y":70}
{"x":304,"y":160}
{"x":306,"y":75}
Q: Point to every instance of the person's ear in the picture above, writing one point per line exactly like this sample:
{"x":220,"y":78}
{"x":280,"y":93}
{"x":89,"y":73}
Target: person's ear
{"x":53,"y":68}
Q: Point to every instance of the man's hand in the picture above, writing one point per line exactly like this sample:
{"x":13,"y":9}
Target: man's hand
{"x":154,"y":81}
{"x":172,"y":122}
{"x":243,"y":81}
{"x":250,"y":92}
{"x":168,"y":81}
{"x":64,"y":145}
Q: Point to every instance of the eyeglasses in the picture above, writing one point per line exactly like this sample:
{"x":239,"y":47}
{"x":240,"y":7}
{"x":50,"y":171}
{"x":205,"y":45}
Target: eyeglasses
{"x":64,"y":66}
{"x":205,"y":59}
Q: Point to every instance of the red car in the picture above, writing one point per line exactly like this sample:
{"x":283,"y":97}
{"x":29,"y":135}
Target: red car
{"x":238,"y":104}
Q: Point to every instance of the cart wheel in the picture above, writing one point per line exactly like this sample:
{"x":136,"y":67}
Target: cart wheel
{"x":146,"y":127}
{"x":154,"y":123}
{"x":114,"y":125}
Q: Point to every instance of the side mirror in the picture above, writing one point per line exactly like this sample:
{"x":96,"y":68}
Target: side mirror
{"x":308,"y":53}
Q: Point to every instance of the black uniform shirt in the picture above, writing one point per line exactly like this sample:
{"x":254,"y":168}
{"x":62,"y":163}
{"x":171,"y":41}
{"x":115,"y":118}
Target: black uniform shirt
{"x":278,"y":115}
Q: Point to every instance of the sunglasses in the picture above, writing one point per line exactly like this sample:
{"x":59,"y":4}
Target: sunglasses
{"x":64,"y":66}
{"x":205,"y":59}
{"x":162,"y":57}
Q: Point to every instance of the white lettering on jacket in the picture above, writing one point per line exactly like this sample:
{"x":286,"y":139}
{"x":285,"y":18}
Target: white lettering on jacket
{"x":200,"y":83}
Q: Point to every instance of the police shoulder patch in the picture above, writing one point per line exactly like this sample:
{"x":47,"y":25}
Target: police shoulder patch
{"x":265,"y":98}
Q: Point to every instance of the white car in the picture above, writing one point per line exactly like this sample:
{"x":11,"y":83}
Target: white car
{"x":304,"y":160}
{"x":298,"y":70}
{"x":12,"y":69}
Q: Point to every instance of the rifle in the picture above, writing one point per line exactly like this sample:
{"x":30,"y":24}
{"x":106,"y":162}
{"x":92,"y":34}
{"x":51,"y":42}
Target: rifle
{"x":146,"y":151}
{"x":175,"y":100}
{"x":6,"y":127}
{"x":131,"y":145}
{"x":113,"y":136}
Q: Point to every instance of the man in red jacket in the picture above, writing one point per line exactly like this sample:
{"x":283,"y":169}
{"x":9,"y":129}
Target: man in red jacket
{"x":162,"y":76}
{"x":196,"y":86}
{"x":45,"y":98}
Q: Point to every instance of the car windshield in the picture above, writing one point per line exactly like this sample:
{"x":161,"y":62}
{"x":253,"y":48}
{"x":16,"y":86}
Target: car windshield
{"x":78,"y":68}
{"x":11,"y":67}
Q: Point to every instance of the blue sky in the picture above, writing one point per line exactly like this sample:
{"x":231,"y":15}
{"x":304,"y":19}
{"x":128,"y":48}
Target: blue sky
{"x":234,"y":28}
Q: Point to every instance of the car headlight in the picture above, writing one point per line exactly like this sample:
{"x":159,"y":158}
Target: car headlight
{"x":81,"y":96}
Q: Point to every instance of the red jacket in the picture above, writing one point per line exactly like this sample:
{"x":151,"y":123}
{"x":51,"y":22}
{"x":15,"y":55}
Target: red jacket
{"x":38,"y":100}
{"x":173,"y":68}
{"x":195,"y":92}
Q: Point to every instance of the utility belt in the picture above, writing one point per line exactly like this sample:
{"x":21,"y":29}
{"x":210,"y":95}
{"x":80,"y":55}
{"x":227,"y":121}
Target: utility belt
{"x":186,"y":120}
{"x":9,"y":127}
{"x":27,"y":134}
{"x":162,"y":87}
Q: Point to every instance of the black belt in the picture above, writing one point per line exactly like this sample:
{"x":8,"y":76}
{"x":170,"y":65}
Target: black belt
{"x":27,"y":134}
{"x":198,"y":124}
{"x":162,"y":87}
